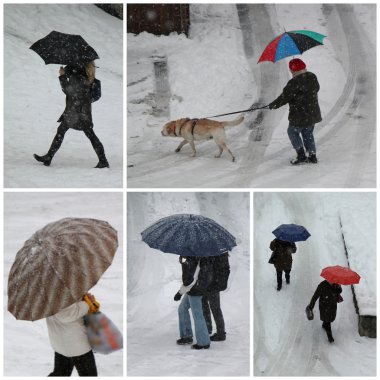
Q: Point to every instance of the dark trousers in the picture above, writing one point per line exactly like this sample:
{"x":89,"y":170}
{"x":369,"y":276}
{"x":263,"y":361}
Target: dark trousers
{"x":279,"y":277}
{"x":211,"y":304}
{"x":89,"y":132}
{"x":327,"y":327}
{"x":85,"y":365}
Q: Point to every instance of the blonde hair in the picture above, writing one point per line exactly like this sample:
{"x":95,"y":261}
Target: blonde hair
{"x":90,"y":72}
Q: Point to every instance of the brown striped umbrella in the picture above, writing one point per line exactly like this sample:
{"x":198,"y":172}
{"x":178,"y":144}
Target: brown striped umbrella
{"x":58,"y":265}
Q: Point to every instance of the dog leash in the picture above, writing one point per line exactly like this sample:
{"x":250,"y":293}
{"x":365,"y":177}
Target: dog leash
{"x":231,"y":113}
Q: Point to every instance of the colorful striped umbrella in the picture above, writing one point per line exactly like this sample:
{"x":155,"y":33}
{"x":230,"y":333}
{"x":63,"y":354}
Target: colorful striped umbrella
{"x":58,"y":265}
{"x":291,"y":43}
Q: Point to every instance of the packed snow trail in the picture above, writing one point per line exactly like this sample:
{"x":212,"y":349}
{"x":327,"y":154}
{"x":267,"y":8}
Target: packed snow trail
{"x":346,"y":137}
{"x":345,"y":67}
{"x":285,"y":342}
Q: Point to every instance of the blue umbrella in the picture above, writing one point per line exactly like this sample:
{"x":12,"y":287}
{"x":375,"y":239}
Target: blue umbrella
{"x":188,"y":235}
{"x":291,"y":232}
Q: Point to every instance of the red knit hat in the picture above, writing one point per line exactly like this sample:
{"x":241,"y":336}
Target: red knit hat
{"x":297,"y":64}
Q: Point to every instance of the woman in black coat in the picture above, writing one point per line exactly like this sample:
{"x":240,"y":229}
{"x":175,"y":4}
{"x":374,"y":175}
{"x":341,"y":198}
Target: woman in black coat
{"x":329,"y":296}
{"x":301,"y":93}
{"x":76,"y":82}
{"x":282,"y":259}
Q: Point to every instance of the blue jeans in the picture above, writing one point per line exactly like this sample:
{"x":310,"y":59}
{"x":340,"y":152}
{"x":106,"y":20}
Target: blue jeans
{"x":295,"y":133}
{"x":185,"y":331}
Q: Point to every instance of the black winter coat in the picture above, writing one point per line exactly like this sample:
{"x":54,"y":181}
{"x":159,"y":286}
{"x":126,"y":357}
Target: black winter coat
{"x":328,"y":300}
{"x":301,"y":93}
{"x":205,"y":275}
{"x":77,"y":114}
{"x":283,"y":250}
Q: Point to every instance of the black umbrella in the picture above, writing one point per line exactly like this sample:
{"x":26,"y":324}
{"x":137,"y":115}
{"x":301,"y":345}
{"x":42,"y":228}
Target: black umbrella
{"x":64,"y":49}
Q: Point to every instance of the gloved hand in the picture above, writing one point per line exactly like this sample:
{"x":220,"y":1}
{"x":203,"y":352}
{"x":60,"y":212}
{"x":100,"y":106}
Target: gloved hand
{"x":177,"y":296}
{"x":92,"y":303}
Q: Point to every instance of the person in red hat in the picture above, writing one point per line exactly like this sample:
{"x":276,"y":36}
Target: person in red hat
{"x":301,"y":93}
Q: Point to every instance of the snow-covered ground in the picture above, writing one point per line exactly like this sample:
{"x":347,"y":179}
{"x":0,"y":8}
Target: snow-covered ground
{"x":27,"y":350}
{"x":154,"y":277}
{"x":215,"y":71}
{"x":33,"y":99}
{"x":285,"y":342}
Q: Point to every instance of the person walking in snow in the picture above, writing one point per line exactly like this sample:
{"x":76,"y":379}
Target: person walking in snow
{"x":211,"y":300}
{"x":282,"y":259}
{"x":76,"y":82}
{"x":68,"y":338}
{"x":301,"y":93}
{"x":196,"y":277}
{"x":329,"y":296}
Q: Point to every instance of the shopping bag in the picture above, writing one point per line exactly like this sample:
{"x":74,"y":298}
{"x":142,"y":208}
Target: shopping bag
{"x":103,"y":335}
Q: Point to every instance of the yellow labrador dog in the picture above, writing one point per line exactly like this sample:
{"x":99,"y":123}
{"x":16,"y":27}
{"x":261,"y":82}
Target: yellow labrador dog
{"x":200,"y":129}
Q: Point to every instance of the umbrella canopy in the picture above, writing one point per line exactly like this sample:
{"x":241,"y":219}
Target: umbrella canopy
{"x":340,"y":275}
{"x":58,"y":265}
{"x":291,"y":43}
{"x":188,"y":235}
{"x":291,"y":233}
{"x":64,"y":49}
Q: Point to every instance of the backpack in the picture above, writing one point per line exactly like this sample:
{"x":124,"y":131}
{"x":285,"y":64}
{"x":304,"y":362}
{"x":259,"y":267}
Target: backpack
{"x":96,"y":90}
{"x":221,"y":273}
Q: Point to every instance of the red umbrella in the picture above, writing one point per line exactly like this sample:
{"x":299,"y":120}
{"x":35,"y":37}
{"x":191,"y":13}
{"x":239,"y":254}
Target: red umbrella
{"x":340,"y":275}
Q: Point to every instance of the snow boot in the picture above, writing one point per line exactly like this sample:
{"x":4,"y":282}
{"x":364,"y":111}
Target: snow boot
{"x":198,"y":347}
{"x":102,"y":164}
{"x":55,"y":145}
{"x":218,"y":337}
{"x":46,"y":160}
{"x":183,"y":341}
{"x":312,"y":158}
{"x":278,"y":287}
{"x":301,"y":157}
{"x":287,"y":278}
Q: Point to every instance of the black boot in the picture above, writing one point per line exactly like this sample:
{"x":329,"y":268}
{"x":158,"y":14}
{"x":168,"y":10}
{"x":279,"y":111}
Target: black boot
{"x":102,"y":164}
{"x":183,"y":341}
{"x":287,"y":277}
{"x":46,"y":160}
{"x":218,"y":337}
{"x":198,"y":347}
{"x":301,"y":157}
{"x":312,"y":158}
{"x":55,"y":145}
{"x":98,"y":147}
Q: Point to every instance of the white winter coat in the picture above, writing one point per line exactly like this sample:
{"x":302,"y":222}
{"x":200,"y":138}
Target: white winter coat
{"x":67,"y":332}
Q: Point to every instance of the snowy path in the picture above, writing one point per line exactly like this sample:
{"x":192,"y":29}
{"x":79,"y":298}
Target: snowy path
{"x":154,"y":277}
{"x":341,"y":139}
{"x":285,"y":342}
{"x":345,"y":139}
{"x":33,"y":99}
